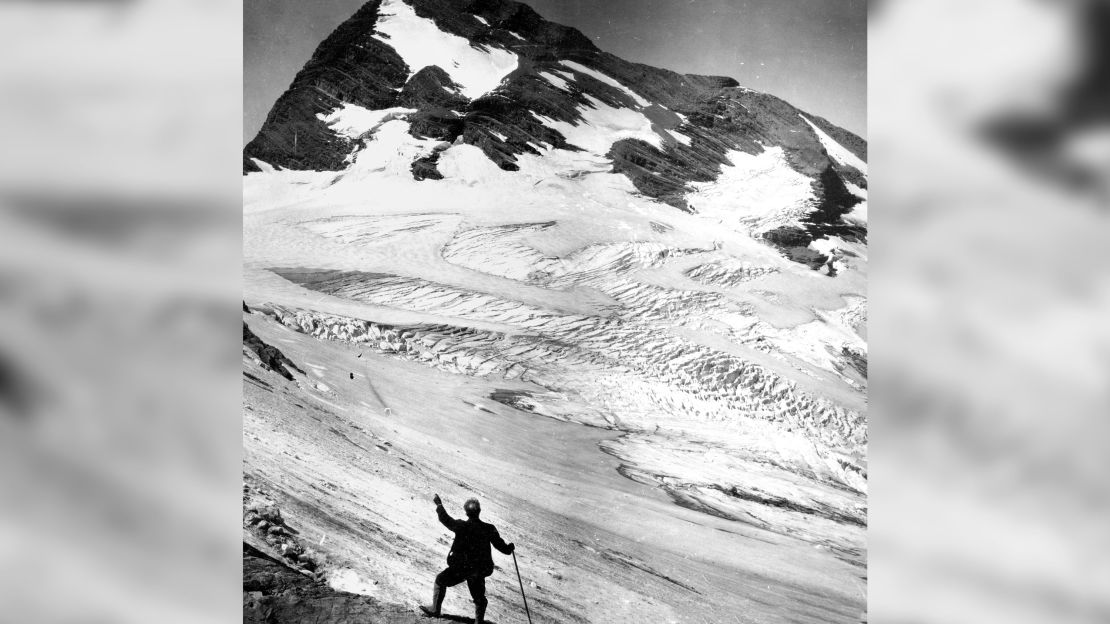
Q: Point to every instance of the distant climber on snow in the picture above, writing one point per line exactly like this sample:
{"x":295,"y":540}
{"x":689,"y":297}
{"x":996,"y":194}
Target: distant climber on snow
{"x":469,"y":560}
{"x":834,"y":255}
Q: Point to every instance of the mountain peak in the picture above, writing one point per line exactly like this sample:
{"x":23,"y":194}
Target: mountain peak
{"x":496,"y":75}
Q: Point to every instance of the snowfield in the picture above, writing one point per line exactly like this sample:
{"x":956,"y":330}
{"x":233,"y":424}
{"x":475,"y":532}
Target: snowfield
{"x":353,"y":121}
{"x":602,"y":125}
{"x":421,"y":44}
{"x":757,"y":192}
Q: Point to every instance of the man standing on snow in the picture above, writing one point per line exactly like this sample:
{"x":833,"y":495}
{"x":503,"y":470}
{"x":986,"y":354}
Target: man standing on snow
{"x":469,"y":560}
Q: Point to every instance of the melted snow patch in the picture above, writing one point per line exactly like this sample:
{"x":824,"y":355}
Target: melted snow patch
{"x":420,"y":44}
{"x":758,"y":190}
{"x":836,"y":151}
{"x":352,"y":121}
{"x":602,"y":125}
{"x":607,"y":80}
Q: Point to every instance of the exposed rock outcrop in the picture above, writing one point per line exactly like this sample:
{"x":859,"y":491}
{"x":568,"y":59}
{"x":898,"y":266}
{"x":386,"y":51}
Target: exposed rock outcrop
{"x":270,"y":357}
{"x":350,"y":65}
{"x":275,"y":593}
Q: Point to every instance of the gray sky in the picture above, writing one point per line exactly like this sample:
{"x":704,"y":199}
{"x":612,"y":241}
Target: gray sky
{"x":811,"y":53}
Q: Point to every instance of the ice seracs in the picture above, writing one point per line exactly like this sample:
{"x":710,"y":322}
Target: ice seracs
{"x":420,"y":43}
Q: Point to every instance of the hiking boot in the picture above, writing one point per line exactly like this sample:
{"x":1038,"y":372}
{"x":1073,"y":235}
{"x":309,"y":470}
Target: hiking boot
{"x":438,"y":592}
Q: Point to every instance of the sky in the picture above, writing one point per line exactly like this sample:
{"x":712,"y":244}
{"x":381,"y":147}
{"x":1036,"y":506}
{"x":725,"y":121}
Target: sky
{"x":811,"y":53}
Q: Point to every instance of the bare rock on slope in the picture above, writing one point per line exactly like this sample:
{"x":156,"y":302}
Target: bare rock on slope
{"x":270,"y":356}
{"x":274,"y":593}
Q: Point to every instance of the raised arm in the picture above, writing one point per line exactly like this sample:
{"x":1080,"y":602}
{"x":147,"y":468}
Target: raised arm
{"x":500,"y":544}
{"x":444,"y":518}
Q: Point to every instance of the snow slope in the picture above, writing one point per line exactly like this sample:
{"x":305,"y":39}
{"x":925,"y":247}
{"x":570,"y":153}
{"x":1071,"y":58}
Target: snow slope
{"x":602,"y":125}
{"x":578,"y":67}
{"x":355,"y":481}
{"x":420,"y":43}
{"x":590,"y":287}
{"x":838,"y":152}
{"x":755,"y":191}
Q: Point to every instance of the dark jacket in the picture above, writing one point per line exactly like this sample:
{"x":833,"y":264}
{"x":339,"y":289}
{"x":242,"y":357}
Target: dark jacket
{"x":470,"y":550}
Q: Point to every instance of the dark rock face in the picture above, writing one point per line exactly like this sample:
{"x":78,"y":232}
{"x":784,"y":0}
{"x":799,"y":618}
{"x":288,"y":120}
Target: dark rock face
{"x":789,"y":236}
{"x":431,"y":88}
{"x":794,"y":242}
{"x":274,"y":593}
{"x":835,"y":202}
{"x":351,"y":66}
{"x":271,"y":357}
{"x":857,"y":360}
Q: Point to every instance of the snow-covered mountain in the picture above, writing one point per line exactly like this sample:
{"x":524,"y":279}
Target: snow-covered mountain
{"x":473,"y":220}
{"x":495,"y":75}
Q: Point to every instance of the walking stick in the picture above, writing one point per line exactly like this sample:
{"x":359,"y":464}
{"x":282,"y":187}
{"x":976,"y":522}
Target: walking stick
{"x":517,"y":566}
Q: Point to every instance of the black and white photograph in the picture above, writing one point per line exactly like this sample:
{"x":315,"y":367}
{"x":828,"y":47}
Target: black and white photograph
{"x":537,"y":333}
{"x":554,"y":311}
